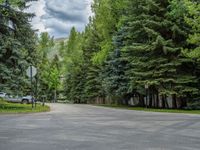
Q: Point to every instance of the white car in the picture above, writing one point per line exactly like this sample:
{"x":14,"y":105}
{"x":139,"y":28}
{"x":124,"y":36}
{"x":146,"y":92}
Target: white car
{"x":27,"y":99}
{"x":23,"y":100}
{"x":2,"y":94}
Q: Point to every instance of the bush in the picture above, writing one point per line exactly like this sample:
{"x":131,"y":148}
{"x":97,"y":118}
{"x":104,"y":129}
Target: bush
{"x":193,"y":106}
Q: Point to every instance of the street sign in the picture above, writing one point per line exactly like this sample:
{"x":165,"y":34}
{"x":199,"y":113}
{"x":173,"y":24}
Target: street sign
{"x":31,"y":71}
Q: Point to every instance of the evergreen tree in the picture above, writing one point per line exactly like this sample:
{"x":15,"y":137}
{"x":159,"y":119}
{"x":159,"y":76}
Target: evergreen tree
{"x":17,"y":45}
{"x":107,"y":14}
{"x":193,"y":19}
{"x":153,"y":43}
{"x":130,"y":44}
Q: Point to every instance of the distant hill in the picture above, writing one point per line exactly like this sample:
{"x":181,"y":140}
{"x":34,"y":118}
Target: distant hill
{"x":61,"y":39}
{"x":55,"y":50}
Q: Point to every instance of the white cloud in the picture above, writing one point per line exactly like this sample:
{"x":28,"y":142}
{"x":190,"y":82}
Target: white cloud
{"x":38,"y":9}
{"x":58,"y":16}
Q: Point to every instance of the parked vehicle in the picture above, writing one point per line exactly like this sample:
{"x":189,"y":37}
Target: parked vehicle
{"x":2,"y":94}
{"x":13,"y":99}
{"x":27,"y":99}
{"x":24,"y":100}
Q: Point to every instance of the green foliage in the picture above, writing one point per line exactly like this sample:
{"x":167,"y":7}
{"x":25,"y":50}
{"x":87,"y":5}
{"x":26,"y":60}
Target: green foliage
{"x":17,"y":47}
{"x":49,"y":68}
{"x":107,"y":15}
{"x":126,"y":45}
{"x":80,"y":72}
{"x":192,"y":18}
{"x":129,"y":44}
{"x":156,"y":50}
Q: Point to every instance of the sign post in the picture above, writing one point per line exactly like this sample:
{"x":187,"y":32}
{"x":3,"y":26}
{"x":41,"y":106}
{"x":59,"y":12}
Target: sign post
{"x":31,"y":72}
{"x":146,"y":88}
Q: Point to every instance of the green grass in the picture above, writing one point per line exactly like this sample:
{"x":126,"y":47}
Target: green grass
{"x":14,"y":108}
{"x":152,"y":109}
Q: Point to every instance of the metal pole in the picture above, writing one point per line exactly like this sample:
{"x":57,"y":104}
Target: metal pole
{"x":43,"y":101}
{"x":32,"y":86}
{"x":36,"y":92}
{"x":146,"y":98}
{"x":55,"y":96}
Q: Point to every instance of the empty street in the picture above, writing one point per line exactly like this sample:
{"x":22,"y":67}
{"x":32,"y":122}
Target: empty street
{"x":85,"y":127}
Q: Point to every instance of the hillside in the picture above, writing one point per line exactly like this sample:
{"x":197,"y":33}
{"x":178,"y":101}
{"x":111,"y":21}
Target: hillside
{"x":55,"y":50}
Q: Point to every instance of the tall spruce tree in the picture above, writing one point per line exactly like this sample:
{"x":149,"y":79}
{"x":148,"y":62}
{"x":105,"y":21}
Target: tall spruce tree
{"x":17,"y":45}
{"x":153,"y":43}
{"x":92,"y":88}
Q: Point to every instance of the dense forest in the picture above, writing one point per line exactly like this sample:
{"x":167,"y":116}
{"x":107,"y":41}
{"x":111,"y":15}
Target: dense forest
{"x":142,"y":52}
{"x":133,"y":48}
{"x":20,"y":47}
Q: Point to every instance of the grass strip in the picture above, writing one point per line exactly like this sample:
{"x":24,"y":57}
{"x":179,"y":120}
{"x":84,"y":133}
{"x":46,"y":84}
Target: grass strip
{"x":14,"y":108}
{"x":151,"y":109}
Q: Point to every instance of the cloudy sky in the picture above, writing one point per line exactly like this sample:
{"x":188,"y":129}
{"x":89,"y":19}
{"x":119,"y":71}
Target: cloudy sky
{"x":58,"y":16}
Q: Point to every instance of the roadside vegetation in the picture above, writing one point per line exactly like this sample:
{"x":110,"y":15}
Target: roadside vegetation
{"x":13,"y":108}
{"x":132,"y":50}
{"x":20,"y":47}
{"x":187,"y":111}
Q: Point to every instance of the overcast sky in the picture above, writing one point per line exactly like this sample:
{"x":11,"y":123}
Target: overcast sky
{"x":58,"y":16}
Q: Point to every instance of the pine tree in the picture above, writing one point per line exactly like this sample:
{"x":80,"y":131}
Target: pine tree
{"x":129,"y":45}
{"x":92,"y":87}
{"x":153,"y":44}
{"x":17,"y":45}
{"x":193,"y":19}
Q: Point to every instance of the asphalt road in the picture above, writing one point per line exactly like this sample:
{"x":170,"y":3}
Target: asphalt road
{"x":83,"y":127}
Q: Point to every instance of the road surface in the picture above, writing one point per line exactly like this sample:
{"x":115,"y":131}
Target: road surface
{"x":84,"y":127}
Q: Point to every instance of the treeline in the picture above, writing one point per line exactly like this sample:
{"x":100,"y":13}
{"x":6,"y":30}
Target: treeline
{"x":48,"y":80}
{"x":17,"y":46}
{"x":21,"y":47}
{"x":133,"y":50}
{"x":142,"y":51}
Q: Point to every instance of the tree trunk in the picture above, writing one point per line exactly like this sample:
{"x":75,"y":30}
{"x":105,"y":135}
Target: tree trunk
{"x":154,"y":99}
{"x":157,"y":99}
{"x":182,"y":102}
{"x":163,"y":101}
{"x":126,"y":101}
{"x":141,"y":100}
{"x":166,"y":102}
{"x":104,"y":100}
{"x":174,"y":102}
{"x":150,"y":100}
